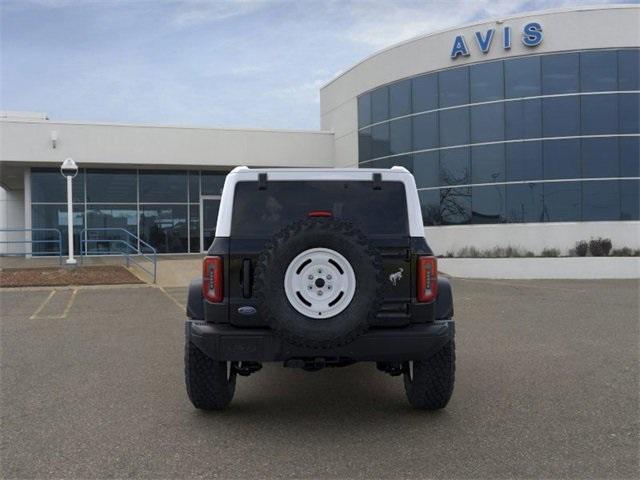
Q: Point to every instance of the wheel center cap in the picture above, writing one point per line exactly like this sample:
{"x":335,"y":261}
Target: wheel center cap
{"x":319,"y":282}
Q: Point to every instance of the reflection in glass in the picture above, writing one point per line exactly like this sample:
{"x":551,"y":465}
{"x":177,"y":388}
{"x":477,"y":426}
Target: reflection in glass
{"x":163,"y":186}
{"x":599,"y":71}
{"x":380,"y":104}
{"x":400,"y":135}
{"x":194,"y":228}
{"x":112,"y":186}
{"x":365,"y":147}
{"x":405,"y":161}
{"x":600,"y":200}
{"x":629,"y":112}
{"x":380,"y":140}
{"x":487,"y":123}
{"x":600,"y":157}
{"x":455,"y":167}
{"x":629,"y":69}
{"x":454,"y":87}
{"x":487,"y":164}
{"x":48,"y":185}
{"x":522,"y":77}
{"x":364,"y":110}
{"x":425,"y":131}
{"x":524,"y":203}
{"x":112,"y":217}
{"x":630,"y":156}
{"x":425,"y":92}
{"x":487,"y":82}
{"x":560,"y":73}
{"x":523,"y":119}
{"x":629,"y":199}
{"x":562,"y":202}
{"x":561,"y":159}
{"x":488,"y":204}
{"x":212,"y":182}
{"x":210,"y":209}
{"x":524,"y":161}
{"x":400,"y":98}
{"x":561,"y":116}
{"x":426,"y":169}
{"x":599,"y":114}
{"x":454,"y":127}
{"x":430,"y":205}
{"x":194,"y":186}
{"x":455,"y":205}
{"x":55,"y":216}
{"x":165,"y":227}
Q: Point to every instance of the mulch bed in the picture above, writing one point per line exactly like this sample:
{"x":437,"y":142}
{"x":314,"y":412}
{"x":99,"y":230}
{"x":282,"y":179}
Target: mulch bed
{"x":63,"y":276}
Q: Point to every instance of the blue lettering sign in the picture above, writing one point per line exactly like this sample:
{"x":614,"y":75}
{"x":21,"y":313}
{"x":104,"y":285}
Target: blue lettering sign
{"x":459,"y":47}
{"x":532,"y":35}
{"x":506,"y":38}
{"x":485,"y":42}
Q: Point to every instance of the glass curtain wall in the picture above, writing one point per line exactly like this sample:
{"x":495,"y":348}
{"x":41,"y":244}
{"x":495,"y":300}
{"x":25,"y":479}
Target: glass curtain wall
{"x":161,"y":207}
{"x":541,"y":138}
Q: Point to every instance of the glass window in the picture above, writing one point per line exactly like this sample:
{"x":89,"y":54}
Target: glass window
{"x":454,"y":127}
{"x":629,"y":112}
{"x":400,"y":98}
{"x":55,"y":216}
{"x":455,"y":205}
{"x":380,"y":140}
{"x":630,"y":156}
{"x":163,"y":186}
{"x":523,"y":119}
{"x":629,"y":69}
{"x":488,"y":204}
{"x":561,"y":159}
{"x":113,"y":217}
{"x":212,"y":182}
{"x":561,"y":116}
{"x":487,"y":164}
{"x":562,"y":202}
{"x":524,"y":203}
{"x":405,"y":161}
{"x":194,"y":187}
{"x":165,"y":227}
{"x":524,"y":161}
{"x":48,"y":185}
{"x":600,"y":157}
{"x":364,"y":110}
{"x":487,"y":82}
{"x":425,"y":92}
{"x":560,"y":73}
{"x":425,"y":131}
{"x":426,"y":169}
{"x":599,"y":71}
{"x":600,"y":200}
{"x":454,"y":167}
{"x":629,"y":199}
{"x":379,"y":212}
{"x":430,"y":205}
{"x":112,"y":186}
{"x":194,"y":228}
{"x":400,"y":135}
{"x":599,"y":114}
{"x":365,"y":147}
{"x":487,"y":123}
{"x":454,"y":87}
{"x":522,"y":77}
{"x":380,"y":104}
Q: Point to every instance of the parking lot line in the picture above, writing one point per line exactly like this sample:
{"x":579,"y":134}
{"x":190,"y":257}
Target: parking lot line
{"x":182,"y":307}
{"x":42,"y":305}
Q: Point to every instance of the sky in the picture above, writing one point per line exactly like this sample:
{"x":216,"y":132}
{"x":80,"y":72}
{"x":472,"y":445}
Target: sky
{"x":231,"y":63}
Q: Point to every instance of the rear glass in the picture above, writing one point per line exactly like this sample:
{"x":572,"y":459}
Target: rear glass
{"x":262,"y":213}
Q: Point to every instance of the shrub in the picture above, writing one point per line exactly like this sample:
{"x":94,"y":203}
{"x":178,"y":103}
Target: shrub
{"x":550,"y":252}
{"x":625,"y":252}
{"x":469,"y":252}
{"x":582,"y":247}
{"x":600,"y":247}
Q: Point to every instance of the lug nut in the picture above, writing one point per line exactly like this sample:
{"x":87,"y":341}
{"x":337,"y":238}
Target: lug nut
{"x":328,"y":287}
{"x":310,"y":277}
{"x":320,"y":293}
{"x":329,"y":277}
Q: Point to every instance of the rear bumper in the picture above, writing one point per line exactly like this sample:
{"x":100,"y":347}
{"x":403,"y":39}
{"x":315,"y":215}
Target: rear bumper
{"x":227,"y":343}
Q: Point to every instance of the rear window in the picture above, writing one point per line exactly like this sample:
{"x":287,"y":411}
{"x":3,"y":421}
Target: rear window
{"x":260,"y":213}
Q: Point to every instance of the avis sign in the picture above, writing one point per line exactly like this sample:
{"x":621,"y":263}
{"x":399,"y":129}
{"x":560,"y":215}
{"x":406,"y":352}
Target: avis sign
{"x":531,"y":37}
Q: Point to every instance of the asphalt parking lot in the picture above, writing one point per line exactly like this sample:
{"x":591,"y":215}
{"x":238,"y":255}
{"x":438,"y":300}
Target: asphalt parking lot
{"x":547,"y":386}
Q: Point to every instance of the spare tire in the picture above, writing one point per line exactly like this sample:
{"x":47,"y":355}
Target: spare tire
{"x":318,"y":283}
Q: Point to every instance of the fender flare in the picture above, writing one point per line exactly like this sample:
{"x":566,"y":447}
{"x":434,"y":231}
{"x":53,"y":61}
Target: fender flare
{"x":444,"y":301}
{"x":195,"y":300}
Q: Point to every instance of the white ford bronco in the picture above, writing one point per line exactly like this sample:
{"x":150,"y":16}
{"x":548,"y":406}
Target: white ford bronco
{"x":319,"y":268}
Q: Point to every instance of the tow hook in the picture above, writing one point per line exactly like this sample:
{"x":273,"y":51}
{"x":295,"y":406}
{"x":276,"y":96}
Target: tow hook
{"x":245,"y":369}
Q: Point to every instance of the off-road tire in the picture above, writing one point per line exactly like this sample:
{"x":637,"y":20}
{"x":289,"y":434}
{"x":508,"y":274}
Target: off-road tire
{"x":208,"y":385}
{"x":432,"y":384}
{"x":296,"y":328}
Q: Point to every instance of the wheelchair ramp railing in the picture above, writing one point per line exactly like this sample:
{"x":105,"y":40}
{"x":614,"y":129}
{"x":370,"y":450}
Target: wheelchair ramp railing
{"x":119,"y":241}
{"x":37,"y":236}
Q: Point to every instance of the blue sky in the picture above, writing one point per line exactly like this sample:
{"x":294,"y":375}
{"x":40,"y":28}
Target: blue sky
{"x":242,"y":63}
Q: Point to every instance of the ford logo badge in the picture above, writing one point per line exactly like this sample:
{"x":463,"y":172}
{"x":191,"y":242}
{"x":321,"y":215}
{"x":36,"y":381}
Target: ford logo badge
{"x":247,"y":310}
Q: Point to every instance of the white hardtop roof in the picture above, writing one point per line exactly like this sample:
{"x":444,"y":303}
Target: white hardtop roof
{"x":337,"y":171}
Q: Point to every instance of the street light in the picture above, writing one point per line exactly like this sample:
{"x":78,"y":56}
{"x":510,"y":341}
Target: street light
{"x":69,"y":169}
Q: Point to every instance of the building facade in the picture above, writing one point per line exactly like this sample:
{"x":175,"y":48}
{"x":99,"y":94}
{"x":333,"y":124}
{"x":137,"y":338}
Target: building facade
{"x":521,"y":131}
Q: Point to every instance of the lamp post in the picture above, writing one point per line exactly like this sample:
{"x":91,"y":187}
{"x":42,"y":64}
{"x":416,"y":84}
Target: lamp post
{"x":69,"y":169}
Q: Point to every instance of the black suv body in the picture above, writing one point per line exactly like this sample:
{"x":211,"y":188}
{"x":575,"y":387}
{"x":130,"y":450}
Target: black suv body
{"x":317,"y":268}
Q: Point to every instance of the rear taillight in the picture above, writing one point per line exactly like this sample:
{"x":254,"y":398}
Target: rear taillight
{"x":212,"y":287}
{"x":427,"y":282}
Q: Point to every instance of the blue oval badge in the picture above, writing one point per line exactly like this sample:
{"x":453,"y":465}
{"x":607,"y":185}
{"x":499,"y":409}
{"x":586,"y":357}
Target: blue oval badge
{"x":247,"y":310}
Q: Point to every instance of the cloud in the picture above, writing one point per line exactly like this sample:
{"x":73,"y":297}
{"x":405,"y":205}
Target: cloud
{"x":194,"y":12}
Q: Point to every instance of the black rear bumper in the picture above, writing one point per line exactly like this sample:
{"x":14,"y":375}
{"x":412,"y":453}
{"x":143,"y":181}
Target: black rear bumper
{"x":227,"y":343}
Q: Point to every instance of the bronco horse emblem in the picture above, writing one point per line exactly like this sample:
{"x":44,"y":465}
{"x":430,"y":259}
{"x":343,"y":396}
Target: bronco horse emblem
{"x":394,"y":278}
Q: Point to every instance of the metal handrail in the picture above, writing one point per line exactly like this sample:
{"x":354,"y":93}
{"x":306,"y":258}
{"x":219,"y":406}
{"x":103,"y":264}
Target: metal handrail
{"x":31,"y":241}
{"x":129,"y":252}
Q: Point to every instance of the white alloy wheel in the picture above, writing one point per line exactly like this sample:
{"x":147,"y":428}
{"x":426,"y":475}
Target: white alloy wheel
{"x":320,"y":283}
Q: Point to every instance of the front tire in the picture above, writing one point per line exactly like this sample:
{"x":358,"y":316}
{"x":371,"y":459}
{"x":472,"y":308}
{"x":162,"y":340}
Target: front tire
{"x":429,"y":383}
{"x":210,"y":384}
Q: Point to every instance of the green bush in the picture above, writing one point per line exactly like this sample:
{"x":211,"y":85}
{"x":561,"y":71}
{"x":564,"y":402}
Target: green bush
{"x":550,"y":252}
{"x":581,"y":249}
{"x":625,"y":252}
{"x":600,"y":247}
